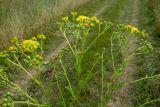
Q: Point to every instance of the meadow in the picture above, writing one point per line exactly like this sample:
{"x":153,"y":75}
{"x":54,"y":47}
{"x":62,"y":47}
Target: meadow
{"x":86,"y":53}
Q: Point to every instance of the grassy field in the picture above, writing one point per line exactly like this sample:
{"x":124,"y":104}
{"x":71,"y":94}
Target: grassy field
{"x":86,"y":53}
{"x":24,"y":18}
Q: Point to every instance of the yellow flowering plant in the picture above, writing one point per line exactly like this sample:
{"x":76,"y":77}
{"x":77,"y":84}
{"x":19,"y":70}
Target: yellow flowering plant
{"x":29,"y":46}
{"x":82,"y":33}
{"x":23,"y":54}
{"x":119,"y":41}
{"x":80,"y":29}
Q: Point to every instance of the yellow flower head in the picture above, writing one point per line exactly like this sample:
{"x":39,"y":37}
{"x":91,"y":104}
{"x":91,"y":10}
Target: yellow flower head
{"x":135,"y":30}
{"x":29,"y":45}
{"x":12,"y":48}
{"x":65,"y":19}
{"x":94,"y":18}
{"x":83,"y":19}
{"x":132,"y":29}
{"x":129,"y":26}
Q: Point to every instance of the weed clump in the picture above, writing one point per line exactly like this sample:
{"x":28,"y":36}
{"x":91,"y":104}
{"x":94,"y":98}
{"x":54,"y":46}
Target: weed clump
{"x":73,"y":81}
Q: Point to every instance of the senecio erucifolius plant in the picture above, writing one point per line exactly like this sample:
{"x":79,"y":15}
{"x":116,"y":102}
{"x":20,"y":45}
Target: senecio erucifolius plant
{"x":22,"y":54}
{"x":77,"y":30}
{"x":80,"y":27}
{"x":71,"y":82}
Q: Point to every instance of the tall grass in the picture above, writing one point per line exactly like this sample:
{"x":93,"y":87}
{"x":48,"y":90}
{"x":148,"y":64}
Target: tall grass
{"x":18,"y":17}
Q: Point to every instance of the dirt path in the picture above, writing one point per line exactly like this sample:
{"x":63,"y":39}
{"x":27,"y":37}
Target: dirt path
{"x":122,"y":97}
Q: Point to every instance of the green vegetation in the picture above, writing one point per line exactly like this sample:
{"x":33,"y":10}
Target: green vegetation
{"x":148,"y":90}
{"x":24,"y":18}
{"x":96,"y":56}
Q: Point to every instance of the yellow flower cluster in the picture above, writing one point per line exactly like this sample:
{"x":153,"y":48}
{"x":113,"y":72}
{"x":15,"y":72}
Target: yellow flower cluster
{"x":133,"y":29}
{"x":94,"y":18}
{"x":83,"y":19}
{"x":86,"y":21}
{"x":29,"y":45}
{"x":65,"y":19}
{"x":12,"y":48}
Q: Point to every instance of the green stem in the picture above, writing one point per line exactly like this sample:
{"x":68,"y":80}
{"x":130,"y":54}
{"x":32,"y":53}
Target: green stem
{"x":102,"y":82}
{"x":64,"y":34}
{"x":79,"y":56}
{"x":112,"y":56}
{"x":76,"y":42}
{"x":99,"y":34}
{"x":28,"y":103}
{"x":120,"y":40}
{"x":149,"y":102}
{"x":72,"y":92}
{"x":19,"y":65}
{"x":78,"y":64}
{"x":60,"y":93}
{"x":150,"y":77}
{"x":84,"y":39}
{"x":131,"y":55}
{"x":21,"y":50}
{"x":39,"y":78}
{"x":16,"y":87}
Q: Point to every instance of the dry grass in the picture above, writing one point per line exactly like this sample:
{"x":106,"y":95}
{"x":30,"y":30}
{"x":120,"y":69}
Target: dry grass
{"x":21,"y":16}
